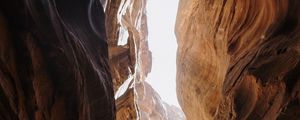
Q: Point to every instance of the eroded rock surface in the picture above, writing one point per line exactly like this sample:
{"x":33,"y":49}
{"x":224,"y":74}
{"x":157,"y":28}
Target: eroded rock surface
{"x":130,"y":62}
{"x":54,"y":61}
{"x":130,"y":58}
{"x":152,"y":107}
{"x":239,"y":59}
{"x":127,"y":40}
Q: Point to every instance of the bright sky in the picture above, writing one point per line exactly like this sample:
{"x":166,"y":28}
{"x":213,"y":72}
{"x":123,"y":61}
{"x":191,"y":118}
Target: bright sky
{"x":163,"y":45}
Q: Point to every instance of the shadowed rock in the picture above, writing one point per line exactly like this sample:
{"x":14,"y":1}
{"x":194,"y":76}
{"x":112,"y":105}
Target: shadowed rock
{"x":54,"y":61}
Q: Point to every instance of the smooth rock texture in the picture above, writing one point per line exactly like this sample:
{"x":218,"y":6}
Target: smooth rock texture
{"x":54,"y":61}
{"x":239,"y":59}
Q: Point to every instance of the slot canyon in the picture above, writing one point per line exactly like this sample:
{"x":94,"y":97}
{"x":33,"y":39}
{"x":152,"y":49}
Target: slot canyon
{"x":90,"y":59}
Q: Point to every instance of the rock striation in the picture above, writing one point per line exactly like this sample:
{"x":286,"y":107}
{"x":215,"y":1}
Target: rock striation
{"x":130,"y":62}
{"x":54,"y":61}
{"x":130,"y":58}
{"x":239,"y":59}
{"x":63,"y":61}
{"x":126,"y":28}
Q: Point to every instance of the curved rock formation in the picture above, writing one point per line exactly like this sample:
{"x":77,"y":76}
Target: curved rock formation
{"x":130,"y":58}
{"x":130,"y":62}
{"x":239,"y":59}
{"x":54,"y":61}
{"x":127,"y":39}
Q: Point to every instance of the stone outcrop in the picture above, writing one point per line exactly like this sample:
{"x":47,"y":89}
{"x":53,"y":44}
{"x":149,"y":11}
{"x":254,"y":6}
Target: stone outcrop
{"x":130,"y":58}
{"x":54,"y":61}
{"x":130,"y":62}
{"x":127,"y":40}
{"x":239,"y":59}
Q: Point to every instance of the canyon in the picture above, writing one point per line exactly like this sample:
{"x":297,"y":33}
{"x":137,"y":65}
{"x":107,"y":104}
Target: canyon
{"x":130,"y":62}
{"x":89,"y":60}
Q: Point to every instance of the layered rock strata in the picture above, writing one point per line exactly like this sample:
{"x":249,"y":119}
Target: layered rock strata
{"x":239,"y":59}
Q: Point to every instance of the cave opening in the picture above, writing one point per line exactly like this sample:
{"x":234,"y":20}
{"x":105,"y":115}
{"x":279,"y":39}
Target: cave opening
{"x":161,"y":16}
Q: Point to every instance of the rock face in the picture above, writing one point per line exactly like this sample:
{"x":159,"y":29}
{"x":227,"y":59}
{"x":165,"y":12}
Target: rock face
{"x":130,"y":58}
{"x":152,"y":107}
{"x":54,"y":61}
{"x":130,"y":62}
{"x":239,"y":59}
{"x":127,"y":39}
{"x":147,"y":105}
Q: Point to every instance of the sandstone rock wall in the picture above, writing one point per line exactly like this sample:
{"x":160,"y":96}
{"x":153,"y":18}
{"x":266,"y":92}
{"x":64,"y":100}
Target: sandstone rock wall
{"x":130,"y":58}
{"x":54,"y":61}
{"x":152,"y":107}
{"x":130,"y":62}
{"x":238,"y":59}
{"x":127,"y":39}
